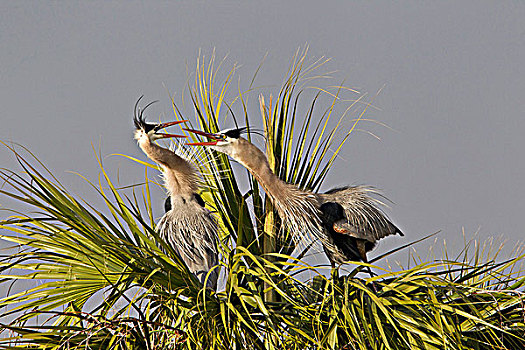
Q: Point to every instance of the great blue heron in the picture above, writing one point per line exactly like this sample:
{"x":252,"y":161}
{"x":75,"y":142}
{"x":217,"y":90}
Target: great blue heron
{"x":187,"y":226}
{"x":347,"y":220}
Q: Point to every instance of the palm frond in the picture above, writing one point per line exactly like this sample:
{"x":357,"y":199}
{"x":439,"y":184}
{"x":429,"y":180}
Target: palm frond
{"x":104,"y":280}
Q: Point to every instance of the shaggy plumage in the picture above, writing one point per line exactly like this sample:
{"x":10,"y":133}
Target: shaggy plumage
{"x":187,"y":226}
{"x":347,"y":220}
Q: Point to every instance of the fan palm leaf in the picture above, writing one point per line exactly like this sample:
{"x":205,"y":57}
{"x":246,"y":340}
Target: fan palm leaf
{"x":106,"y":281}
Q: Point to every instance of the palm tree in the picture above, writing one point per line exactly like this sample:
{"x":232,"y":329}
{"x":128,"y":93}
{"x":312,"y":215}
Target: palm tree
{"x":104,"y":283}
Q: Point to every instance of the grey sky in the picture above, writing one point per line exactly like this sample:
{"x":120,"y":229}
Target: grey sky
{"x":70,"y":73}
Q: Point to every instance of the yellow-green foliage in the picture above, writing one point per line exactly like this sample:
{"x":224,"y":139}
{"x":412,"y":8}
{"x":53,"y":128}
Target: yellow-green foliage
{"x":104,"y":282}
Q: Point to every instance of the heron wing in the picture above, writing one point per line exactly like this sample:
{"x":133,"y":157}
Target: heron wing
{"x":344,"y":227}
{"x":362,"y":216}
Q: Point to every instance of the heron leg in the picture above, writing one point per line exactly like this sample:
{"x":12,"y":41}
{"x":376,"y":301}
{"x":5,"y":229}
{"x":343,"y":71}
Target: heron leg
{"x":362,"y":253}
{"x":334,"y":271}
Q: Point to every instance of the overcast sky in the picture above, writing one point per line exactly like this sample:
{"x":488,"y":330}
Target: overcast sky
{"x":453,"y":92}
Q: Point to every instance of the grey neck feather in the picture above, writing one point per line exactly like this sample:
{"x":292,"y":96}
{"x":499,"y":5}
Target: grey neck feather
{"x":298,"y":209}
{"x":180,"y":177}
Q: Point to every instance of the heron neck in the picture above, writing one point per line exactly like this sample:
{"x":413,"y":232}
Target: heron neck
{"x":179,"y":175}
{"x":271,"y":183}
{"x":299,"y":209}
{"x":257,"y":164}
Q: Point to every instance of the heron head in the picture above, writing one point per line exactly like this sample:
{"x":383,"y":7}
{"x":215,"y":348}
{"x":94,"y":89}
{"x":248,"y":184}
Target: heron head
{"x":226,"y":141}
{"x":150,"y":130}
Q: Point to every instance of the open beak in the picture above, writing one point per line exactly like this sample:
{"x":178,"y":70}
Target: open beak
{"x":165,"y":125}
{"x":215,"y":137}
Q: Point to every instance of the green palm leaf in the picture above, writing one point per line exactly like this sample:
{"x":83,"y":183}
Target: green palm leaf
{"x":106,"y":281}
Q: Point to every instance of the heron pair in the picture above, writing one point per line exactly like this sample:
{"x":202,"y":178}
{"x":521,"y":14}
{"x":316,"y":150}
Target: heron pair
{"x":347,"y":221}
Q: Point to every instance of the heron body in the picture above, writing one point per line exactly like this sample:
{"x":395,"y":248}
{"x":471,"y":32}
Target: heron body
{"x":353,"y":222}
{"x":346,"y":220}
{"x":188,"y":227}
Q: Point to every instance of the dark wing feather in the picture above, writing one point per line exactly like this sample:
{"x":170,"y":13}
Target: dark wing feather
{"x":167,"y":204}
{"x":343,"y":246}
{"x":362,"y":217}
{"x":198,"y":199}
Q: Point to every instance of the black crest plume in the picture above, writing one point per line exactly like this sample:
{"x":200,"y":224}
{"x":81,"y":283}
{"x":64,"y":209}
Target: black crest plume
{"x":235,"y":133}
{"x":139,"y":120}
